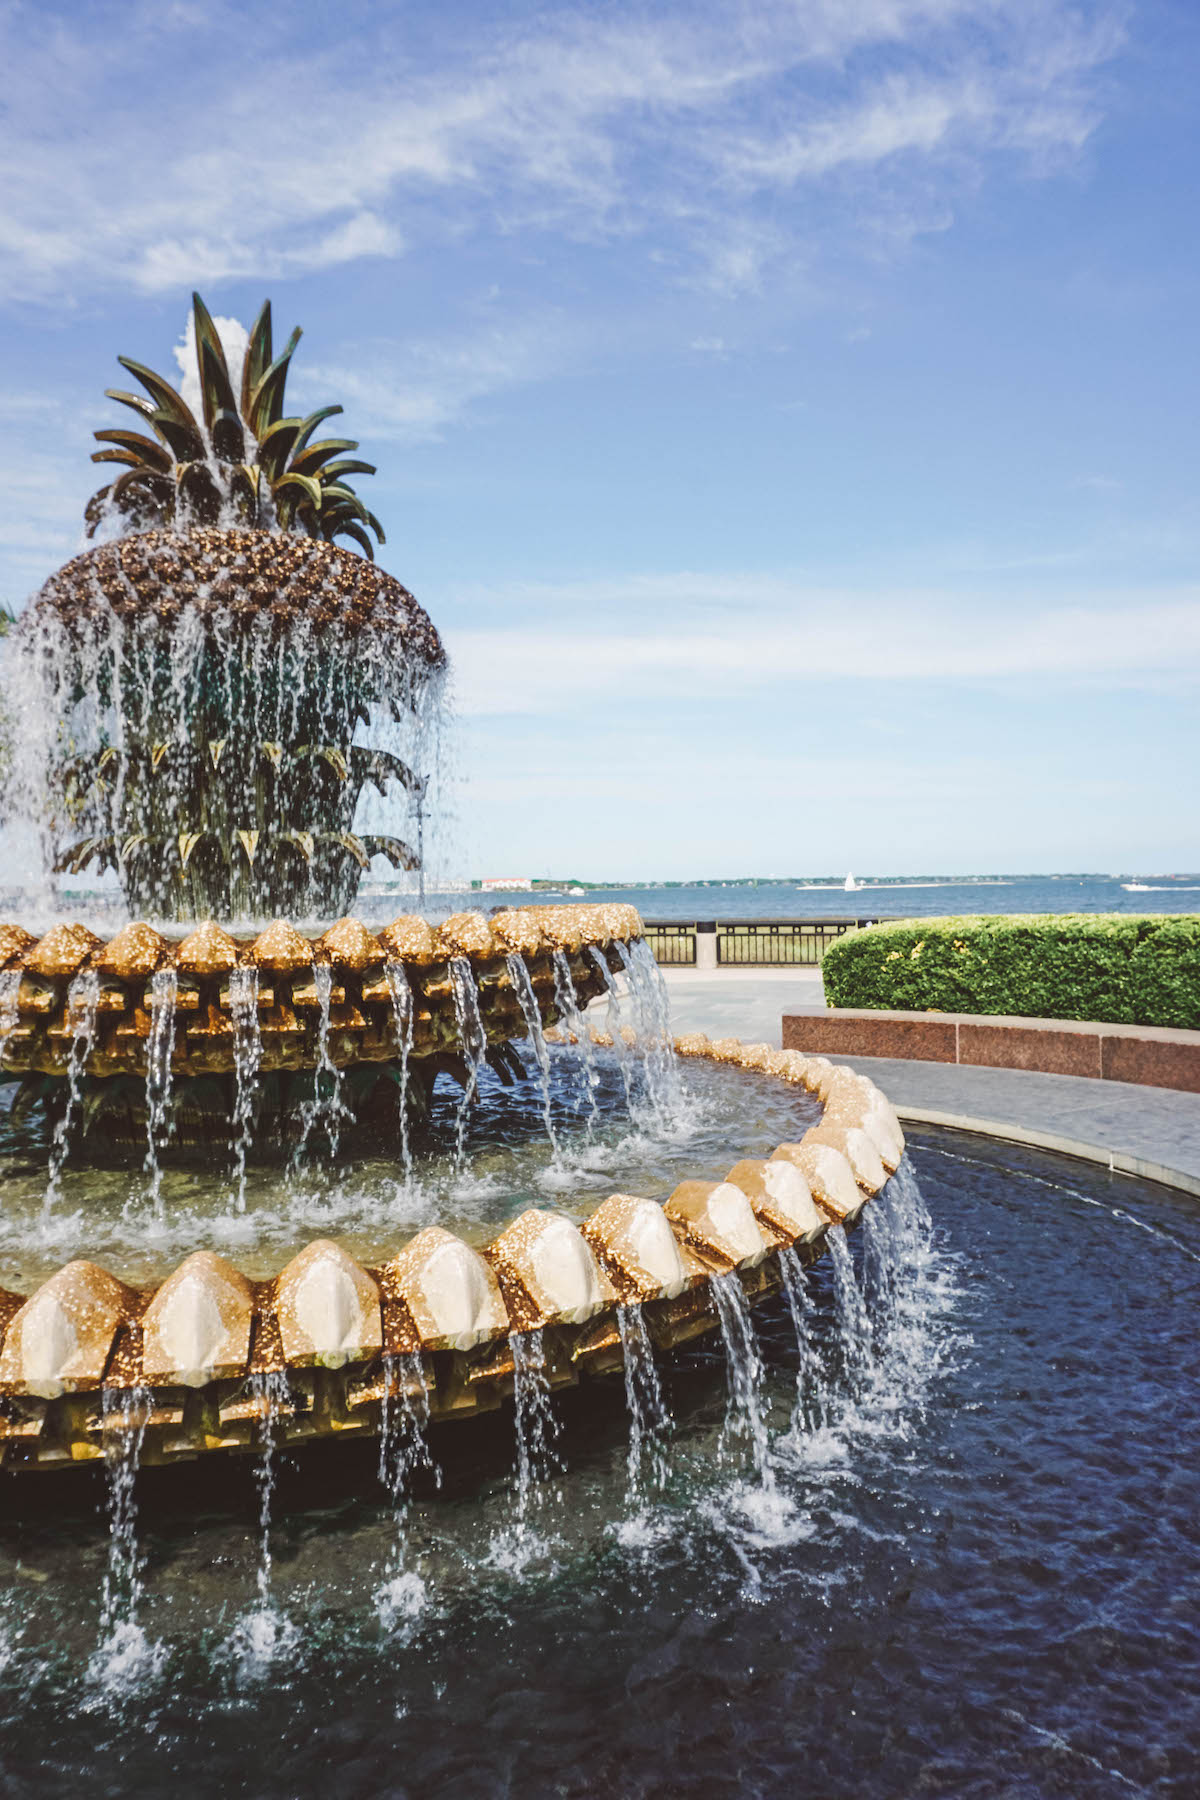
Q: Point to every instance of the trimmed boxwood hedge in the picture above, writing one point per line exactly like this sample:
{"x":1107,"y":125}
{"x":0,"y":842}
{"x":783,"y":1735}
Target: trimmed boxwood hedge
{"x":1122,"y":968}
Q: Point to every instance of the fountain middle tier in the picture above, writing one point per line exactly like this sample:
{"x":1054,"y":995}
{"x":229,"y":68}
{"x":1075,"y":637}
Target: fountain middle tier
{"x":277,"y":1005}
{"x":333,"y":1337}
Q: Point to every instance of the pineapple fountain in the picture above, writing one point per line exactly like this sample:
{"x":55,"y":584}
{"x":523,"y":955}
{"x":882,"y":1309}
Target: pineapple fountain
{"x":199,"y":703}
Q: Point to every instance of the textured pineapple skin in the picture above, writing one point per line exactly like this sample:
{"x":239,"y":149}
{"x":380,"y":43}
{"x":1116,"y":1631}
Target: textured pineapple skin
{"x":228,"y":669}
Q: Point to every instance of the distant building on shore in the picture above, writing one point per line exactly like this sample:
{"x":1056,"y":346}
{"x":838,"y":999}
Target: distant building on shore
{"x":506,"y":884}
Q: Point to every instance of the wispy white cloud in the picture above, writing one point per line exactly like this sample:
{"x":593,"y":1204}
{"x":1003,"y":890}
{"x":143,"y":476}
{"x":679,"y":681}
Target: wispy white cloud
{"x":737,"y":637}
{"x":138,"y":149}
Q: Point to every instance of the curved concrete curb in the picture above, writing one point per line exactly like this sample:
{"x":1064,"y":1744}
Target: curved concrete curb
{"x":1119,"y":1162}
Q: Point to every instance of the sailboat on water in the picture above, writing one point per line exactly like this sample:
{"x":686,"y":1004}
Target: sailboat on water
{"x":850,"y":885}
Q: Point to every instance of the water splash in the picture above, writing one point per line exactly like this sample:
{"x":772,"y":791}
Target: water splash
{"x":651,"y":1006}
{"x":522,"y":986}
{"x":472,"y":1037}
{"x":567,"y":1001}
{"x":615,"y":1023}
{"x":126,"y":1658}
{"x":83,"y":1001}
{"x":402,"y":1017}
{"x":648,"y":1416}
{"x":403,"y":1450}
{"x":160,"y":1048}
{"x":247,"y":1060}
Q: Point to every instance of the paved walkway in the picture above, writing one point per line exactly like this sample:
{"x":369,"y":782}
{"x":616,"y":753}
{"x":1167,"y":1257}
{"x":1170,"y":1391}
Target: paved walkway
{"x":1154,"y":1132}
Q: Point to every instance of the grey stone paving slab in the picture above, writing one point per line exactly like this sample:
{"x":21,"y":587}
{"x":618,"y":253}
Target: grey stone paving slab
{"x":1147,"y":1131}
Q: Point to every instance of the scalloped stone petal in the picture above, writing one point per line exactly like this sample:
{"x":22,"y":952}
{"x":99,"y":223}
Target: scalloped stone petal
{"x":549,"y":1271}
{"x":719,"y":1220}
{"x":829,"y":1176}
{"x":197,"y":1327}
{"x":633,"y":1239}
{"x":62,"y":952}
{"x":328,"y":1308}
{"x":207,"y":951}
{"x":61,"y":1339}
{"x":450,"y":1290}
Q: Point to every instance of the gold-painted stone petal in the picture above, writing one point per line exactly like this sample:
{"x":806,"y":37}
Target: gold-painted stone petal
{"x":828,"y":1174}
{"x":780,"y":1195}
{"x":548,"y":1271}
{"x":62,"y":952}
{"x":351,"y":946}
{"x":518,"y":930}
{"x":328,"y":1308}
{"x":635,"y":1243}
{"x":60,"y":1340}
{"x":468,"y":934}
{"x":450,"y":1291}
{"x":14,"y":942}
{"x":621,"y":922}
{"x":411,"y":939}
{"x":562,"y":926}
{"x":135,"y":953}
{"x":207,"y":951}
{"x":281,"y":949}
{"x":718,"y":1221}
{"x":857,"y":1149}
{"x":197,"y":1326}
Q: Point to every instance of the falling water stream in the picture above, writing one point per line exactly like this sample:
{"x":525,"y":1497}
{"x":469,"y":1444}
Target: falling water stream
{"x":83,"y":1001}
{"x":247,"y":1060}
{"x":472,"y":1038}
{"x":160,"y":1048}
{"x":518,"y":974}
{"x":404,"y":1451}
{"x":10,"y":987}
{"x":567,"y":1001}
{"x":402,"y":1017}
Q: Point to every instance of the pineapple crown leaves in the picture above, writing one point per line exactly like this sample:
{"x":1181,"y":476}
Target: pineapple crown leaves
{"x":243,"y":450}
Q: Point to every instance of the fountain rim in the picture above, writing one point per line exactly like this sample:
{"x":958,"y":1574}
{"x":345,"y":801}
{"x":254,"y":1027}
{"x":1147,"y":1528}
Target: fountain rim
{"x":710,"y":1242}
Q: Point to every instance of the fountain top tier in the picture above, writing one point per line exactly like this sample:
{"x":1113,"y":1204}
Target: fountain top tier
{"x":70,"y":988}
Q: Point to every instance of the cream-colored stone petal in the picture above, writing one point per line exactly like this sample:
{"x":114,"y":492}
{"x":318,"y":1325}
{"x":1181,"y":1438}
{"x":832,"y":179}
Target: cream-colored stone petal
{"x":197,"y":1327}
{"x":552,"y":1262}
{"x":829,"y":1176}
{"x":61,"y":1338}
{"x":328,"y":1308}
{"x":450,"y":1290}
{"x":633,"y":1237}
{"x":780,"y":1195}
{"x":858,"y":1150}
{"x":718,"y":1219}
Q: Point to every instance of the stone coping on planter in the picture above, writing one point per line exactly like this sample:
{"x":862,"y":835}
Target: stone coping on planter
{"x":86,"y":1360}
{"x":1146,"y":1055}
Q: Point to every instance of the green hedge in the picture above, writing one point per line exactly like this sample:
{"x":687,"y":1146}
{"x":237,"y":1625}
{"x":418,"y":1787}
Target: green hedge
{"x":1122,"y":968}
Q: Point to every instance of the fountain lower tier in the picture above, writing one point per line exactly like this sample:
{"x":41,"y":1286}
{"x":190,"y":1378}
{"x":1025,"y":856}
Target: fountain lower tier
{"x":113,"y":1019}
{"x":191,"y":1361}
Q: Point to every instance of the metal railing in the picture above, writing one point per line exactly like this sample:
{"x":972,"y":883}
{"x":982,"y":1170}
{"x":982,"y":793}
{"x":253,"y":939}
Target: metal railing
{"x":674,"y":946}
{"x":747,"y":943}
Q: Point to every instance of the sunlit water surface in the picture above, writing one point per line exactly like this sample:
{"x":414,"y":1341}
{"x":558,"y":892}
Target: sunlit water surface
{"x":958,"y":1556}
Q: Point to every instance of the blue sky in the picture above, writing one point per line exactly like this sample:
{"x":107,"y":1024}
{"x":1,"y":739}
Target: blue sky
{"x":786,"y":411}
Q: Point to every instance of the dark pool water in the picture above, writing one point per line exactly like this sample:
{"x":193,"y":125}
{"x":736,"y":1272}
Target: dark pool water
{"x":978,"y":1574}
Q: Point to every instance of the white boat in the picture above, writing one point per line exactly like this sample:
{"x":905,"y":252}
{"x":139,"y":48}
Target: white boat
{"x":851,"y":886}
{"x":1136,"y":887}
